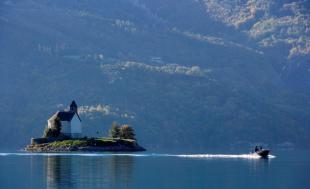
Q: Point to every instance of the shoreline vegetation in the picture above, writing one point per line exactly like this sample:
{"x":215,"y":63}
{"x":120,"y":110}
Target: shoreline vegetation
{"x":121,"y":138}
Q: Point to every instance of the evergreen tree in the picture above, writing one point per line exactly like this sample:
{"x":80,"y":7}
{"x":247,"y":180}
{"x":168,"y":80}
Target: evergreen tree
{"x":114,"y":132}
{"x":49,"y":132}
{"x":54,"y":131}
{"x":127,"y":132}
{"x":57,"y":126}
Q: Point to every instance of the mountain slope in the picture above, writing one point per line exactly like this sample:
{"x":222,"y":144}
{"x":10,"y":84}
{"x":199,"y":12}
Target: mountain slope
{"x":180,"y":80}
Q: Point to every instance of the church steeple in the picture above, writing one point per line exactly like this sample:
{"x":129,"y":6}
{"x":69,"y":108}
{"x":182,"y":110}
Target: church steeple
{"x":73,"y":107}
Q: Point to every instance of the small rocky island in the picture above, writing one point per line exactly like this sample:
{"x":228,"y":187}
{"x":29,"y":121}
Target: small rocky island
{"x":64,"y":130}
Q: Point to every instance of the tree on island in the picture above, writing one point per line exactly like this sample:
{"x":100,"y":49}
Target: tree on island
{"x":54,"y":131}
{"x":127,"y":132}
{"x":114,"y":132}
{"x":121,"y":132}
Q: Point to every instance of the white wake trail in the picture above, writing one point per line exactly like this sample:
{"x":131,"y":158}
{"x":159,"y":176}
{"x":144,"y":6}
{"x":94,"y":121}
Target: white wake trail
{"x":200,"y":156}
{"x":227,"y":156}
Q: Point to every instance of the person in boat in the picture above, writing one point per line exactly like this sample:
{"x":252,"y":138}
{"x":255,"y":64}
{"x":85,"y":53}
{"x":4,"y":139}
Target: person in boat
{"x":256,"y":149}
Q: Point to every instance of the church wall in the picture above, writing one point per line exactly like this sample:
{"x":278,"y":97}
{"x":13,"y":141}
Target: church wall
{"x":65,"y":127}
{"x":76,"y":127}
{"x":49,"y":124}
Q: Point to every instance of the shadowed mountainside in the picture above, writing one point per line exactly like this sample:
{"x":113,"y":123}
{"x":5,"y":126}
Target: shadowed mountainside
{"x":182,"y":76}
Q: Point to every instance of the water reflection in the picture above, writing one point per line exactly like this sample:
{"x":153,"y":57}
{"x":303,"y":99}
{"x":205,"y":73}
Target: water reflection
{"x":120,"y":169}
{"x":59,"y":172}
{"x":89,"y":172}
{"x":260,"y":164}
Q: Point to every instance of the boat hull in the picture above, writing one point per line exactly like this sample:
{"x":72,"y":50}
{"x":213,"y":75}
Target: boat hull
{"x":263,"y":153}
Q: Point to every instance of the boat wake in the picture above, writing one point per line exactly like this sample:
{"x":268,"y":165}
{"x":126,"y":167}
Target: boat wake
{"x":197,"y":156}
{"x":227,"y":156}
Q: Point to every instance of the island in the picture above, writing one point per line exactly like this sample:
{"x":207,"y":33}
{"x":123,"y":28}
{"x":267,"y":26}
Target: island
{"x":87,"y":145}
{"x":63,"y":133}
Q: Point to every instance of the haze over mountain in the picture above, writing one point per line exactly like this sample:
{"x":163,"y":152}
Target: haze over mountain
{"x":184,"y":73}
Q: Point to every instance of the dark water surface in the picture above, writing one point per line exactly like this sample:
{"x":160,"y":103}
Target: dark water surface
{"x":289,"y":169}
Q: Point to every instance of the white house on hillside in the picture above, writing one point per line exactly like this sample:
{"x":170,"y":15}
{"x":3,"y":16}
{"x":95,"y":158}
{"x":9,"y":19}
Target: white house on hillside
{"x":71,"y":124}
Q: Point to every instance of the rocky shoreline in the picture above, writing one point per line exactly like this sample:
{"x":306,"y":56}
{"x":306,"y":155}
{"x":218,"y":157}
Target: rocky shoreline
{"x":86,"y":146}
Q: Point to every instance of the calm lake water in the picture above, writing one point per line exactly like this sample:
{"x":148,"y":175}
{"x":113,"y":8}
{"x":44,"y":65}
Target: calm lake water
{"x":289,"y":169}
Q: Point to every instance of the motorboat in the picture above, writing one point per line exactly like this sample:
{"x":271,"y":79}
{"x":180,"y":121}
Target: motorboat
{"x":263,"y":153}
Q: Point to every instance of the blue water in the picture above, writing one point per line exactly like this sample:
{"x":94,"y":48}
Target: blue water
{"x":286,"y":169}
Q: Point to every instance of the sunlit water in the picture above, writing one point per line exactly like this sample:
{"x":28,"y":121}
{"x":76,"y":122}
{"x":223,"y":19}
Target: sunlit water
{"x":289,"y":169}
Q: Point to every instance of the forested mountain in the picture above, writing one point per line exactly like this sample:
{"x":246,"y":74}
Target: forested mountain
{"x":184,"y":73}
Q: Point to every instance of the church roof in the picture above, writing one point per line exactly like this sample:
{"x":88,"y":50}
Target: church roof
{"x":64,"y":116}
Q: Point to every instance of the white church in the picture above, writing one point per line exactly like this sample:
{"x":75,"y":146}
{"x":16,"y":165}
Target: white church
{"x":71,"y":124}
